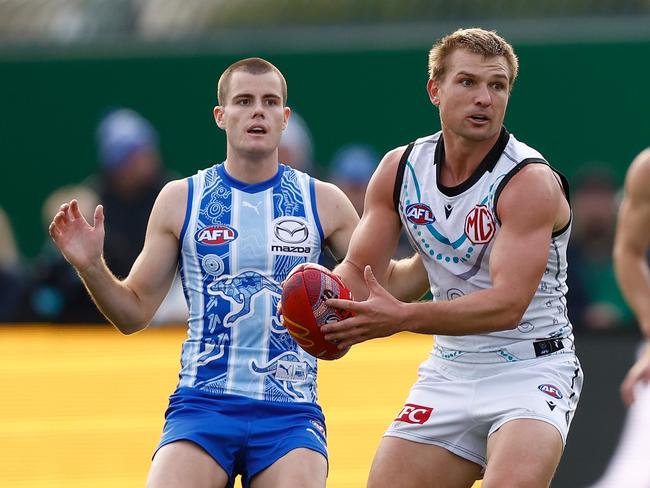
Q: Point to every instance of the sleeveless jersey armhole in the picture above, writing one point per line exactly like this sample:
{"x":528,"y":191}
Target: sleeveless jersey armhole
{"x":561,"y":179}
{"x":399,"y":177}
{"x":188,"y":209}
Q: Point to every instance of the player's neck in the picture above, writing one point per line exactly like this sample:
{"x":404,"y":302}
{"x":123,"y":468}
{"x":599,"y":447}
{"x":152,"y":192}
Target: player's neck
{"x":251,"y":170}
{"x":463,"y":157}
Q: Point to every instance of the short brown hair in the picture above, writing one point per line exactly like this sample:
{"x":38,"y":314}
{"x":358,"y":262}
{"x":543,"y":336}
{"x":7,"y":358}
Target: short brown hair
{"x":254,"y":66}
{"x":476,"y":40}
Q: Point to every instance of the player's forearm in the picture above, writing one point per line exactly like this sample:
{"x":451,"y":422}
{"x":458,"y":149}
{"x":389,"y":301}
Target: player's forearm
{"x":633,"y":276}
{"x":119,"y":304}
{"x":477,"y":313}
{"x":406,"y":280}
{"x":352,"y":276}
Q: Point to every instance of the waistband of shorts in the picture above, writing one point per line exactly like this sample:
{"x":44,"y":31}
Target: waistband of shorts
{"x":517,"y":351}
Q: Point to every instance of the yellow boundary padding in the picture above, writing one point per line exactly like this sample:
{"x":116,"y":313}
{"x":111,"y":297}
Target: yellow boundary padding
{"x":83,"y":406}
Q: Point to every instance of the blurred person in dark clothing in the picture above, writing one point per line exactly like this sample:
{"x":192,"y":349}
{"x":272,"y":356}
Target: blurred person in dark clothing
{"x":131,"y":177}
{"x":54,"y":292}
{"x":595,"y":302}
{"x":351,"y":170}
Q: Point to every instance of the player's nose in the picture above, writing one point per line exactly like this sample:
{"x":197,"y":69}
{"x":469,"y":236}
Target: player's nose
{"x":483,"y":95}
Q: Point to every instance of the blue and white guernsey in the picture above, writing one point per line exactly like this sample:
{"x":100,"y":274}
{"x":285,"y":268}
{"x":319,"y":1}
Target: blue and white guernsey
{"x":238,"y":244}
{"x":453,"y":229}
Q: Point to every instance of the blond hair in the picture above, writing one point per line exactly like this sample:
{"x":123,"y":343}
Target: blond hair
{"x":475,"y":40}
{"x":254,"y":66}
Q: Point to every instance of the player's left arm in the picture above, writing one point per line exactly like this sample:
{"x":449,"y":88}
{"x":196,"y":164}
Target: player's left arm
{"x":530,"y":208}
{"x":631,"y":263}
{"x":405,"y":278}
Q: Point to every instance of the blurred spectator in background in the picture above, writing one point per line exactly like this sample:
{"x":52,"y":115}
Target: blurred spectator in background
{"x":128,"y":183}
{"x":11,"y":276}
{"x":351,"y":170}
{"x":629,"y":465}
{"x":595,"y":302}
{"x":130,"y":177}
{"x":296,"y":147}
{"x":55,"y":292}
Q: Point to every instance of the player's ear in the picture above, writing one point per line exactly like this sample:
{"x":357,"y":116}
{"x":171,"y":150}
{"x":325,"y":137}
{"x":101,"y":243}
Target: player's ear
{"x":432,"y":90}
{"x":219,"y":116}
{"x":287,"y":114}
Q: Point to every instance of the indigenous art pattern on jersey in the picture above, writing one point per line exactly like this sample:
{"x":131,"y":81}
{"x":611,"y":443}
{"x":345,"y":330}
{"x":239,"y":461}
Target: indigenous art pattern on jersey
{"x":239,"y":242}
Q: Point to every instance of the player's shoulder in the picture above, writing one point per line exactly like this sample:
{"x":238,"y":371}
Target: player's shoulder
{"x":174,"y":189}
{"x":641,"y":165}
{"x":637,"y":179}
{"x":401,"y":154}
{"x":328,"y":195}
{"x":534,"y":178}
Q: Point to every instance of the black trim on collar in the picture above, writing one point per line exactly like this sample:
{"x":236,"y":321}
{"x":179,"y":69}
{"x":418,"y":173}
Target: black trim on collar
{"x":488,"y":164}
{"x":399,"y":177}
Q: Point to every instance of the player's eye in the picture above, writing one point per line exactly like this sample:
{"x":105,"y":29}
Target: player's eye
{"x":466,"y":82}
{"x":498,"y":86}
{"x":272,"y":102}
{"x":243,"y":101}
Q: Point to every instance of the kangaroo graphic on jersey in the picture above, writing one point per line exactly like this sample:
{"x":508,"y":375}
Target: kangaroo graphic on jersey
{"x":286,"y":369}
{"x":241,"y":289}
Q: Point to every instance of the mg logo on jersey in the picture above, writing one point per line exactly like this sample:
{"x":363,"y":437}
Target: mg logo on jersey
{"x":550,"y":390}
{"x":215,"y":235}
{"x":414,"y":414}
{"x":479,"y":225}
{"x":419,"y":214}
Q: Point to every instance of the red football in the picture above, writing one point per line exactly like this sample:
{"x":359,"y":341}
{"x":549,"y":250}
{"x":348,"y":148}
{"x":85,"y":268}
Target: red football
{"x":304,"y":310}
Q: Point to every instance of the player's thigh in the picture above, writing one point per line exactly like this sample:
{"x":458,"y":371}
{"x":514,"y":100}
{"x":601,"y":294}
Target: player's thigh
{"x":523,"y":453}
{"x":400,"y":463}
{"x":300,"y":467}
{"x":181,"y":464}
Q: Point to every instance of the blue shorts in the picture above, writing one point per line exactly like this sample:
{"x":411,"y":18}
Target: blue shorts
{"x":245,"y":436}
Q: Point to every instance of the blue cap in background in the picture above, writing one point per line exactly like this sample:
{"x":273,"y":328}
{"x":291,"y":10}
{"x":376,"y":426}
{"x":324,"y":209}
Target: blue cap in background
{"x":120,"y":133}
{"x":354,"y":164}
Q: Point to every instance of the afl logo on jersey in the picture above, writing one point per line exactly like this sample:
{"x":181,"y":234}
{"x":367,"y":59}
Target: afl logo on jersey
{"x":551,"y":390}
{"x":479,"y":225}
{"x":216,"y":235}
{"x":419,"y":214}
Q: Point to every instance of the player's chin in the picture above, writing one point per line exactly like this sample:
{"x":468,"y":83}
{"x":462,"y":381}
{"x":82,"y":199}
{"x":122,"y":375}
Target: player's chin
{"x":480,"y":133}
{"x":259,"y":148}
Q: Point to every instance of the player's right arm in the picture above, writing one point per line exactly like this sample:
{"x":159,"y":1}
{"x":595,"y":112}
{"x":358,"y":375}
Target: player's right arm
{"x":375,"y":239}
{"x":129,"y":304}
{"x":630,"y":260}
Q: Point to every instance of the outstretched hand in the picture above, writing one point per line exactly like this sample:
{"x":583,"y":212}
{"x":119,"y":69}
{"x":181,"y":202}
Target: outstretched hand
{"x":380,"y":315}
{"x":638,"y":374}
{"x":80,"y":243}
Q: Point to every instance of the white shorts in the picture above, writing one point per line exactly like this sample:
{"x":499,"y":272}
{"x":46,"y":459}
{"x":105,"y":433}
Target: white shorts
{"x":458,"y":405}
